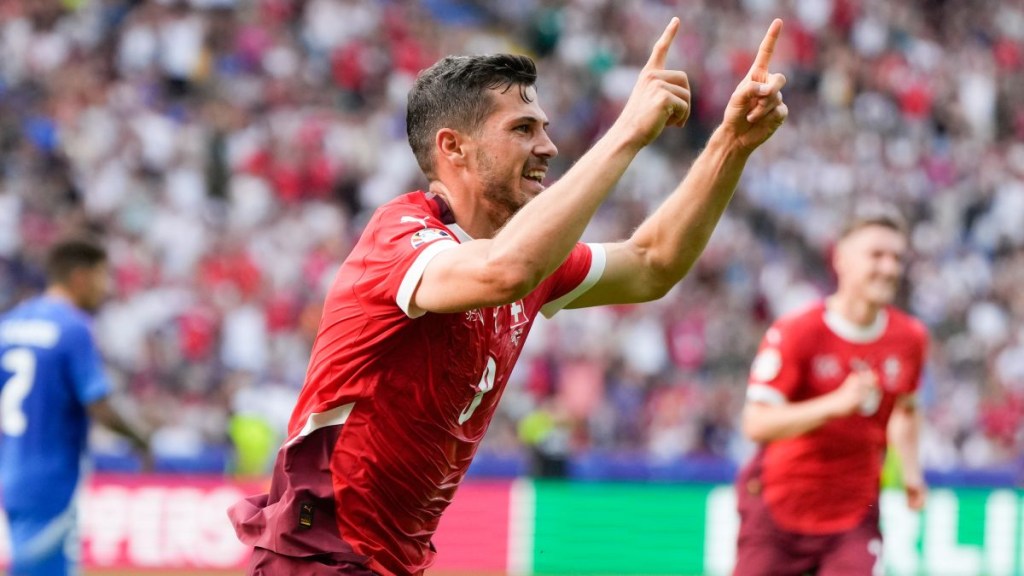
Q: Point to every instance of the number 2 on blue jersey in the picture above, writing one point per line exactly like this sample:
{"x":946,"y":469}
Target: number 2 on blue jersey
{"x":21,"y":362}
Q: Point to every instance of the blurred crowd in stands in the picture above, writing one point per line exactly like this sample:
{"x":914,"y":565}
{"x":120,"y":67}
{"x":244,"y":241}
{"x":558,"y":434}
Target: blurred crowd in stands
{"x":230,"y":150}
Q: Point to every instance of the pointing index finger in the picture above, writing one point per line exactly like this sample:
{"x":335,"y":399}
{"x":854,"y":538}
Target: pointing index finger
{"x":759,"y":70}
{"x":660,"y":52}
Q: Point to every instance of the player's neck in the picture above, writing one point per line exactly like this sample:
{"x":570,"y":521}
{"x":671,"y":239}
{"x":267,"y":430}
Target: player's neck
{"x":858,"y":311}
{"x":58,"y":292}
{"x":469,"y":210}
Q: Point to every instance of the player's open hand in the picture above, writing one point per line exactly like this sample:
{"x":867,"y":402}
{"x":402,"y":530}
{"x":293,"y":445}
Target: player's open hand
{"x":756,"y":109}
{"x":917,"y":494}
{"x":660,"y":97}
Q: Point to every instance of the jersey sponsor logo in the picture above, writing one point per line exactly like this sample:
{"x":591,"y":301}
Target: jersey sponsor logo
{"x":767,"y":365}
{"x":428,"y":235}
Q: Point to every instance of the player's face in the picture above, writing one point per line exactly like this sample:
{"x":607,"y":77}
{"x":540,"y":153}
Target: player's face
{"x":512,"y":154}
{"x":91,"y":287}
{"x":869,"y":263}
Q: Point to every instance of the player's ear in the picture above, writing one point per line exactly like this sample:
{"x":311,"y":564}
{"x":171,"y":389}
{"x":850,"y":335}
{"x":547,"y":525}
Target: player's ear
{"x":451,"y":147}
{"x":837,"y":256}
{"x":76,"y":278}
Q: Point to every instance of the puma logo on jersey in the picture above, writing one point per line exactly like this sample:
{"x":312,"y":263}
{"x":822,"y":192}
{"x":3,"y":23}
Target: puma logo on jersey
{"x":420,"y":221}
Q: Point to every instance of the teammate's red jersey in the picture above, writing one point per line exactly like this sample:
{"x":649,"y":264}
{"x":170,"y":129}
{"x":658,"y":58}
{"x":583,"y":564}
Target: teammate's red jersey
{"x":826,"y":480}
{"x":414,"y":395}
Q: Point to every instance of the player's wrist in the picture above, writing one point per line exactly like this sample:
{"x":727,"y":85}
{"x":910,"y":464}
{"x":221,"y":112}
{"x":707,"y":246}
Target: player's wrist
{"x":731,"y":142}
{"x":836,"y":406}
{"x":626,"y":137}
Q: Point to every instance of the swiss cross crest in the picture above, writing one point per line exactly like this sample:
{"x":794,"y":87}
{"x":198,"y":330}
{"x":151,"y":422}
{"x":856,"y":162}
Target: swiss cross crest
{"x":891,"y":369}
{"x":826,"y":367}
{"x":517,"y":318}
{"x":517,"y":314}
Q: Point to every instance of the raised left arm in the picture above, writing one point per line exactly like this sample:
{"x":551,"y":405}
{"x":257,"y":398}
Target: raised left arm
{"x":662,"y":250}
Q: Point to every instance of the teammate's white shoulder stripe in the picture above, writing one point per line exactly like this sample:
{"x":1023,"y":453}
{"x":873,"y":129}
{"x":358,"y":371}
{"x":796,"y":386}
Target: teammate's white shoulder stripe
{"x":415,"y":272}
{"x":318,"y":420}
{"x":598,"y":260}
{"x":765,"y":394}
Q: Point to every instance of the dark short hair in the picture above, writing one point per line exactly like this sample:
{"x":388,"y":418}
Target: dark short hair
{"x":71,"y":253}
{"x":875,"y":214}
{"x":454,"y":93}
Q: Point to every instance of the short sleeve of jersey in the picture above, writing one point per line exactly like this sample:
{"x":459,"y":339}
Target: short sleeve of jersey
{"x":775,"y":373}
{"x":920,"y":334}
{"x":85,"y":365}
{"x":404,"y":239}
{"x":580,"y":271}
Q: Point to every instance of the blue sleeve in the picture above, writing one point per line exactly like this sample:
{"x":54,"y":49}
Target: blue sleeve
{"x":85,"y":365}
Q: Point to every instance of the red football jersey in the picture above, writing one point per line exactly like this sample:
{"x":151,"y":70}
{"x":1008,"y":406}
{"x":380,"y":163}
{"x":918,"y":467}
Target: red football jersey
{"x":826,"y":480}
{"x":415,"y":394}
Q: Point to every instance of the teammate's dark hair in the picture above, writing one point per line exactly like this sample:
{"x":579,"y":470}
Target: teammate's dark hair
{"x":454,"y":93}
{"x":875,"y":214}
{"x":71,"y":253}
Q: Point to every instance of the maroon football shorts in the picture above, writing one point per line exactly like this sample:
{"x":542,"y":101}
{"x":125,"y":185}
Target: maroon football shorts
{"x":266,"y":563}
{"x":293,"y":529}
{"x":765,"y":549}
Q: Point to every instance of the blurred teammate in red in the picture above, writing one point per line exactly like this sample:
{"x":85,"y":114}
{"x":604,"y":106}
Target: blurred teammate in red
{"x":830,"y":384}
{"x":429,"y":312}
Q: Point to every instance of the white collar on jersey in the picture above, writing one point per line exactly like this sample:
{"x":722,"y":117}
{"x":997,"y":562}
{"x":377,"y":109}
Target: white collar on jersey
{"x":853,"y":333}
{"x":459,"y":232}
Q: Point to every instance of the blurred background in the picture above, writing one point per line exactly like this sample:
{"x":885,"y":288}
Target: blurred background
{"x":229,"y":151}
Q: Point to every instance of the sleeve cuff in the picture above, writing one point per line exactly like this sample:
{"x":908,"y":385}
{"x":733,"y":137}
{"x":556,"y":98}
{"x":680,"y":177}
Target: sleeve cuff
{"x":415,"y":272}
{"x":598,"y":259}
{"x":764,"y":394}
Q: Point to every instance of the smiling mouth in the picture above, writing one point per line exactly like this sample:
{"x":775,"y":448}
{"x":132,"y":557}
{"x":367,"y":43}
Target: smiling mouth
{"x":535,"y":176}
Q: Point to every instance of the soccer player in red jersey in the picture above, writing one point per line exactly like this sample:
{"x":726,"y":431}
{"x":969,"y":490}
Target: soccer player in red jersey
{"x":428,"y":314}
{"x":832,"y":385}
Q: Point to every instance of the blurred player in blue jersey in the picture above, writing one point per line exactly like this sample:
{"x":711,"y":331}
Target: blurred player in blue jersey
{"x":51,"y":384}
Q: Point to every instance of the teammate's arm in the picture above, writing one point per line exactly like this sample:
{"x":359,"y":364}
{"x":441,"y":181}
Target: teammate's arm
{"x":540,"y":236}
{"x":106,"y":413}
{"x":903,"y":434}
{"x":764,"y":422}
{"x":662,"y":250}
